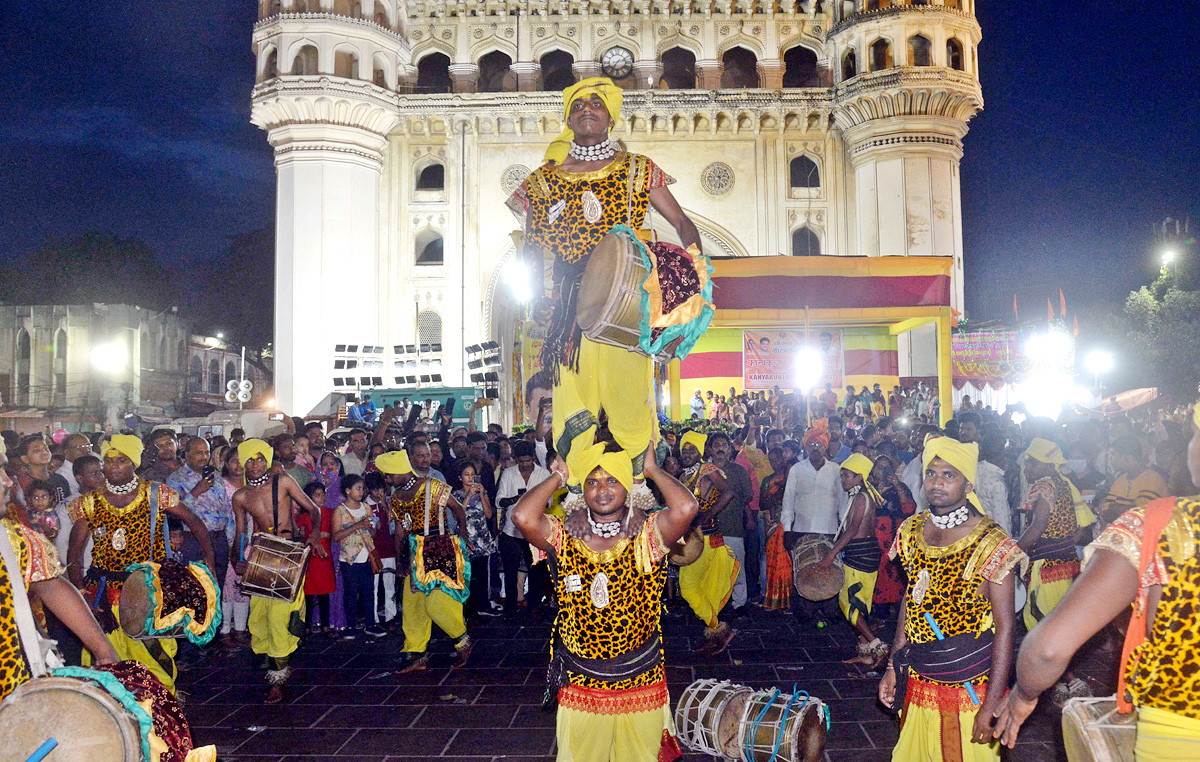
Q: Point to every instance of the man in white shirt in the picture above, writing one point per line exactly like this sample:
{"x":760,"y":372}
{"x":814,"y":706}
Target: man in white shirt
{"x":913,"y":475}
{"x":813,"y":503}
{"x":698,"y":405}
{"x":74,"y":446}
{"x":989,"y":480}
{"x":354,"y":461}
{"x":515,"y":481}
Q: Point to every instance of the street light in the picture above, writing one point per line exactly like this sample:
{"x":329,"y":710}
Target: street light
{"x":1168,"y":257}
{"x":111,"y":357}
{"x":518,"y":277}
{"x":1098,"y":362}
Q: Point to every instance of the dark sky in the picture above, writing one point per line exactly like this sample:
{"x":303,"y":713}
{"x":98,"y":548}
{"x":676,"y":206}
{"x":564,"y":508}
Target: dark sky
{"x":134,"y":118}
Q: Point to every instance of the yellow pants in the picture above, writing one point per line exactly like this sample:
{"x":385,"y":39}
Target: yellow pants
{"x":863,"y":593}
{"x":131,"y":649}
{"x":1043,"y":596}
{"x":615,"y":379}
{"x":422,"y":610}
{"x":608,"y":735}
{"x":1164,"y":736}
{"x":707,"y":584}
{"x":921,"y":728}
{"x":276,"y":627}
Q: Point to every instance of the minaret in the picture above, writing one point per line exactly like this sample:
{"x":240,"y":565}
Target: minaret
{"x":327,"y":76}
{"x":907,"y":84}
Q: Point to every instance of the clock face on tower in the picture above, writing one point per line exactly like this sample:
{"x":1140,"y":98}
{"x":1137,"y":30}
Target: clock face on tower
{"x":617,"y":63}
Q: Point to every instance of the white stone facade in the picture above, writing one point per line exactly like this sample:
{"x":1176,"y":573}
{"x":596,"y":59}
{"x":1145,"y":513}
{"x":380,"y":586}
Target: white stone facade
{"x":364,"y":104}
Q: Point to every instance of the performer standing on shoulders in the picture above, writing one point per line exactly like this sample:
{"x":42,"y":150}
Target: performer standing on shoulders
{"x":127,"y":520}
{"x":954,"y":637}
{"x":587,"y":187}
{"x":276,"y":626}
{"x":1147,"y":558}
{"x":612,"y":698}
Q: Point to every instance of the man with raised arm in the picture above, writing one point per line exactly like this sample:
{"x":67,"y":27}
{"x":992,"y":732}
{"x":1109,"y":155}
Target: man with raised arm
{"x":611,"y":558}
{"x":268,"y":500}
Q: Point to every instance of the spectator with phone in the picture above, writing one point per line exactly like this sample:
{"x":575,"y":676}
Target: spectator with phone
{"x":203,"y":491}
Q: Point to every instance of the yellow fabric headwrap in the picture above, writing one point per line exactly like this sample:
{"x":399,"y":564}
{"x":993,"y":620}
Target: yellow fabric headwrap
{"x":962,"y":457}
{"x":1045,"y":451}
{"x":395,"y":462}
{"x":126,"y":444}
{"x":608,"y":92}
{"x":695,"y":439}
{"x":617,"y":464}
{"x":250,"y":448}
{"x":1196,"y":414}
{"x":860,"y":464}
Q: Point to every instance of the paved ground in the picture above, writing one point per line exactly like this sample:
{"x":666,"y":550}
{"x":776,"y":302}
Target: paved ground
{"x":347,"y":705}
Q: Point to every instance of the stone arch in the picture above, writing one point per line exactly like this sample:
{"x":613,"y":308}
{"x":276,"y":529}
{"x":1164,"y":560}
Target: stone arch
{"x":429,"y":326}
{"x":801,"y":67}
{"x":715,"y":240}
{"x":346,"y":62}
{"x":742,"y":41}
{"x":492,"y":45}
{"x":849,"y":64}
{"x":383,"y":73}
{"x":495,"y":73}
{"x":881,"y":54}
{"x":679,"y":41}
{"x":433,"y":73}
{"x":427,"y":47}
{"x":58,"y":381}
{"x":740,"y":66}
{"x":679,"y":68}
{"x":954,"y":54}
{"x":804,"y":171}
{"x":214,"y":376}
{"x":24,"y":368}
{"x":429,"y":174}
{"x":557,"y":73}
{"x":269,"y":66}
{"x":429,"y":248}
{"x":564,"y":44}
{"x":230,"y":371}
{"x":195,"y":375}
{"x":806,"y":241}
{"x":305,"y":58}
{"x":920,"y":50}
{"x":164,"y":358}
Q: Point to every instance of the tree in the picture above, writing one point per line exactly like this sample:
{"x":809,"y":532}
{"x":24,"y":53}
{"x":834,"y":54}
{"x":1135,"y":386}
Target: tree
{"x":1159,"y":334}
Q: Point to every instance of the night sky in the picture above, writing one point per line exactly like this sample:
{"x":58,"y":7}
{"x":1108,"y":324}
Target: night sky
{"x":134,"y":118}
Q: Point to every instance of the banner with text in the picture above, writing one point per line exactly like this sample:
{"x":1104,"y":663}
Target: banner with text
{"x":769,"y":358}
{"x":985,"y":354}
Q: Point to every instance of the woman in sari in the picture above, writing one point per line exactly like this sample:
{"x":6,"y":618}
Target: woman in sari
{"x":778,"y":595}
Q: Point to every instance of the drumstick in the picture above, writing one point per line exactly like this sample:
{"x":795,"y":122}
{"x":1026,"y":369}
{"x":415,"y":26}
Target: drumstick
{"x":43,"y":750}
{"x":938,"y":632}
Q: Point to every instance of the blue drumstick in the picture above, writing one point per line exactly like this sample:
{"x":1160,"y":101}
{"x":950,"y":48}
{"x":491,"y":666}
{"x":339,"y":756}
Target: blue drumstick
{"x":43,"y":750}
{"x":933,"y":625}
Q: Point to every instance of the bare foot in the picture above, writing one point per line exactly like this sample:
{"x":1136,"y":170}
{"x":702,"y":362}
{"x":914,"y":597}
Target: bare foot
{"x":274,"y":695}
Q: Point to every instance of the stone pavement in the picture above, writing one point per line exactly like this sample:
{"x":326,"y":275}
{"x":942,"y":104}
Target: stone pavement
{"x":346,"y":704}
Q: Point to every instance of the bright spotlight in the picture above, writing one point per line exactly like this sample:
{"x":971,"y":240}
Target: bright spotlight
{"x":519,"y":279}
{"x":271,"y":403}
{"x":1168,"y":256}
{"x":1084,"y":396}
{"x":1047,"y":347}
{"x":1045,"y":393}
{"x":1098,"y":362}
{"x":110,"y":357}
{"x":808,"y":368}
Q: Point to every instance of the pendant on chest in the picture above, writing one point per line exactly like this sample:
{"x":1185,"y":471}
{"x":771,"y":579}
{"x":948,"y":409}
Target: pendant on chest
{"x":118,"y":539}
{"x":600,"y":590}
{"x":592,"y":209}
{"x":921,"y":587}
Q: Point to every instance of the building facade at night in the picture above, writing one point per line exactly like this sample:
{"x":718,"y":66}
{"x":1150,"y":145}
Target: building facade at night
{"x":399,"y":130}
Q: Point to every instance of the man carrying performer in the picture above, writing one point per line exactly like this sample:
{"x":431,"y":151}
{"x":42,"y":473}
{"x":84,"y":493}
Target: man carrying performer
{"x":1161,"y":579}
{"x":610,"y":683}
{"x":587,"y":187}
{"x":707,"y":584}
{"x":860,"y":551}
{"x":127,"y":520}
{"x":954,"y":636}
{"x":437,"y":581}
{"x":269,"y":500}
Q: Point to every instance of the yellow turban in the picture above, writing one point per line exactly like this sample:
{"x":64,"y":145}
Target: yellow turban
{"x":695,"y":439}
{"x":964,"y":458}
{"x":1196,"y":414}
{"x":395,"y":462}
{"x":1045,"y":451}
{"x":860,"y":464}
{"x":608,"y":92}
{"x":616,"y":464}
{"x":251,"y":448}
{"x":126,"y":444}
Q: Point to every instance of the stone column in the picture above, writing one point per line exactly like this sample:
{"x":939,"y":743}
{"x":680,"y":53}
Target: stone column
{"x":586,"y":69}
{"x":646,"y":74}
{"x":770,"y":74}
{"x":708,"y":74}
{"x":466,"y":77}
{"x":527,"y":76}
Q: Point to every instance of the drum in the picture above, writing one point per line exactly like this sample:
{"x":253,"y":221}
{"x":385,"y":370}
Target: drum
{"x":275,"y":568}
{"x":707,"y":717}
{"x":782,"y":726}
{"x":190,"y":602}
{"x":687,"y":549}
{"x":1093,"y":731}
{"x":88,"y":723}
{"x":811,"y":582}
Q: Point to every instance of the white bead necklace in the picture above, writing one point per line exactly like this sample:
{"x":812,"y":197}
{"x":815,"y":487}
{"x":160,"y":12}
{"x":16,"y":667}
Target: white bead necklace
{"x":260,"y":481}
{"x":121,"y":489}
{"x":599,"y":152}
{"x":603,"y":528}
{"x":952,"y":519}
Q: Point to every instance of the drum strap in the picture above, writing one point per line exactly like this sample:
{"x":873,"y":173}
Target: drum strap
{"x":1157,"y":516}
{"x":154,"y":521}
{"x":275,"y":503}
{"x":39,"y":651}
{"x":961,"y":658}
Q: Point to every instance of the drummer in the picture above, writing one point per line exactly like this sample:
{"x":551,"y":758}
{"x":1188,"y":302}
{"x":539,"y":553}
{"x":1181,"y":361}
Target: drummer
{"x":1162,"y":676}
{"x":707,"y":584}
{"x":960,"y":566}
{"x":613,"y":704}
{"x":587,"y":186}
{"x":127,"y":520}
{"x":276,"y":626}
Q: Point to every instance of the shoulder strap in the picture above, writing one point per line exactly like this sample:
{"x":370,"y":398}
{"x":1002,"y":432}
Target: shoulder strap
{"x":154,"y":523}
{"x":1155,"y":519}
{"x":428,"y":501}
{"x":275,"y":503}
{"x":39,"y":652}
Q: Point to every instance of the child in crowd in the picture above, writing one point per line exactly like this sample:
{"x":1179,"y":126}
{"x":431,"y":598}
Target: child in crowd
{"x":319,"y":581}
{"x":353,"y":529}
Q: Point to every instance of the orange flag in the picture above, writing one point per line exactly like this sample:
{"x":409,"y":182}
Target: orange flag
{"x":1016,"y":317}
{"x":1049,"y":310}
{"x":1076,"y":326}
{"x":1062,"y":302}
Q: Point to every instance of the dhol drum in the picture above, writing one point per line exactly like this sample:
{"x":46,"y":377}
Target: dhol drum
{"x":813,"y":582}
{"x":788,"y":727}
{"x":275,"y":568}
{"x":170,"y":600}
{"x":707,"y":717}
{"x":88,"y":723}
{"x":687,"y":549}
{"x":608,"y":308}
{"x":1093,"y":731}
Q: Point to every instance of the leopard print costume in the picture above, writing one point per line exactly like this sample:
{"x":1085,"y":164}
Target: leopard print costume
{"x":123,"y":536}
{"x":636,"y":571}
{"x":38,"y":562}
{"x":946,"y":582}
{"x":410,"y":514}
{"x":1164,"y":671}
{"x":691,"y":479}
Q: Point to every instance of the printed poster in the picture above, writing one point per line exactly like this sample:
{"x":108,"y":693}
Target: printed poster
{"x":769,"y":358}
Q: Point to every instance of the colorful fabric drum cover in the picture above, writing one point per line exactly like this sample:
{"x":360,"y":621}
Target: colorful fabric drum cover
{"x":440,"y":561}
{"x":169,"y":600}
